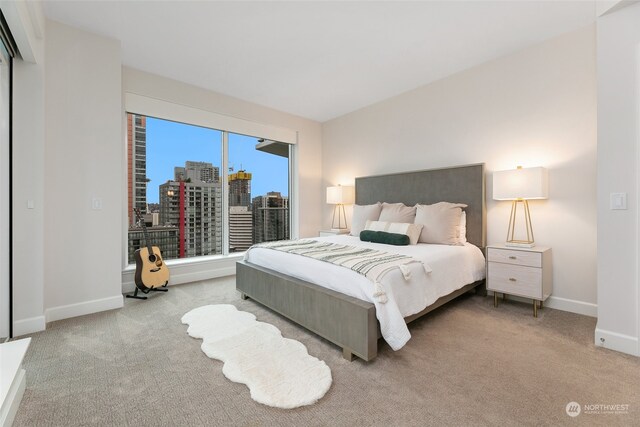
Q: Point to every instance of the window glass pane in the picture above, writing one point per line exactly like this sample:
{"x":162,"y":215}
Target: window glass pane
{"x":174,"y":179}
{"x":258,"y":191}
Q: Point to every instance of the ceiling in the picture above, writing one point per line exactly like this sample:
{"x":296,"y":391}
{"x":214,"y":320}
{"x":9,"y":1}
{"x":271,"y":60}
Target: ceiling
{"x":318,"y":59}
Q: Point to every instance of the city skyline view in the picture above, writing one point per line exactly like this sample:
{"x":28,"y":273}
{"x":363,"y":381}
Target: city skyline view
{"x":270,"y":173}
{"x":175,"y":177}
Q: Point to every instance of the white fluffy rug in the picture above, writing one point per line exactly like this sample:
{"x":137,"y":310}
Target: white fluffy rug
{"x":278,"y":371}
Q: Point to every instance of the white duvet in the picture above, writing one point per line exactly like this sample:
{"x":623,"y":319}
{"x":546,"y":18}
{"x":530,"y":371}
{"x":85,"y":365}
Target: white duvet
{"x":452,"y":267}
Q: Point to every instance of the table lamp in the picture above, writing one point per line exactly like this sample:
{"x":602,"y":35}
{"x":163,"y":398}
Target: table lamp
{"x":520,"y":185}
{"x":340,"y":196}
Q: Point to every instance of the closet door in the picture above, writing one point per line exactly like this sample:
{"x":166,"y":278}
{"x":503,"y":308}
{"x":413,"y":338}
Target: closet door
{"x":5,"y":201}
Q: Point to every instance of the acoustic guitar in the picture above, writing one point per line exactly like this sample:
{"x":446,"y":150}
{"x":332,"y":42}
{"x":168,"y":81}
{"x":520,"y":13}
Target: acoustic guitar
{"x":151,"y":272}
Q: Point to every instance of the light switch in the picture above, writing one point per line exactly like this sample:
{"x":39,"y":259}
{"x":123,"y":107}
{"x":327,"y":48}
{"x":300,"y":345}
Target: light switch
{"x":96,"y":204}
{"x":618,"y":201}
{"x":30,"y":204}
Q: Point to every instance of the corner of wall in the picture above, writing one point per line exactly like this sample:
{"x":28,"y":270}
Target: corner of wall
{"x":29,"y":326}
{"x":618,"y":342}
{"x":618,"y":57}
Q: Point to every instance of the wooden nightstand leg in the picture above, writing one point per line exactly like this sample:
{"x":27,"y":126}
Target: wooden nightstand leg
{"x":495,"y":299}
{"x":541,"y":305}
{"x":504,"y":297}
{"x":535,"y":308}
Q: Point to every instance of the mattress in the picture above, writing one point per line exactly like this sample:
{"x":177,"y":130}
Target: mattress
{"x":443,"y":269}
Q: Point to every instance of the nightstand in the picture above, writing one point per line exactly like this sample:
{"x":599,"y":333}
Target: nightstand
{"x":524,"y":272}
{"x":332,"y":232}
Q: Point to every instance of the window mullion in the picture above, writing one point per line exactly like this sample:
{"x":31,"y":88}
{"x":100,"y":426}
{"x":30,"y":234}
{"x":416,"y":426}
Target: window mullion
{"x":293,"y":193}
{"x":224,"y":179}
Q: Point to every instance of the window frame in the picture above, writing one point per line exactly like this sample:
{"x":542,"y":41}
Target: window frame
{"x":151,"y":107}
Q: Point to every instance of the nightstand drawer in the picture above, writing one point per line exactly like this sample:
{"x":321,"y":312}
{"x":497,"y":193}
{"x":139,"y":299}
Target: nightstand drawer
{"x":515,"y":280}
{"x":516,"y":257}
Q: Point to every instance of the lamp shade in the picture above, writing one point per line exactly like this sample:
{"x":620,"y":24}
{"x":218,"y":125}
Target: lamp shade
{"x":521,"y":183}
{"x":340,"y":195}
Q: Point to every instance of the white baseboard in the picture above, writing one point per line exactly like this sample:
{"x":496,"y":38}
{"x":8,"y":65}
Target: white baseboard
{"x":564,"y":304}
{"x":82,"y":308}
{"x":573,"y":306}
{"x":29,"y":326}
{"x":618,"y":342}
{"x":11,"y":403}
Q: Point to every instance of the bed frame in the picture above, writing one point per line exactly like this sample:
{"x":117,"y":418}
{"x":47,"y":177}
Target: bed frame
{"x":349,"y":322}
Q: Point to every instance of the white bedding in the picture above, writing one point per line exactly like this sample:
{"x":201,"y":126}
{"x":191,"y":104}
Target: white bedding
{"x":452,"y":268}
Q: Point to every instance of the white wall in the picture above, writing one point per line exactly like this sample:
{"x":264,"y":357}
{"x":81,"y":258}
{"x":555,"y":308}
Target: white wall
{"x":618,"y":138}
{"x":533,"y":108}
{"x":83,"y":159}
{"x":536,"y":107}
{"x":28,"y":184}
{"x":28,"y":162}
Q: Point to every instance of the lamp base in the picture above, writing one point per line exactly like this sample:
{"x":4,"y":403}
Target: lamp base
{"x":341,"y":224}
{"x":520,"y":244}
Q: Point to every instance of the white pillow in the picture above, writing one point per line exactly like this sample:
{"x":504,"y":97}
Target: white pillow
{"x":462,"y":229}
{"x":441,"y":222}
{"x":362,"y":213}
{"x":411,"y":230}
{"x":408,"y":229}
{"x":398,"y":212}
{"x":376,"y":225}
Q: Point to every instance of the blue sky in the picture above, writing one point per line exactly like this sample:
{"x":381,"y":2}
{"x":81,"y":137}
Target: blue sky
{"x":170,"y":144}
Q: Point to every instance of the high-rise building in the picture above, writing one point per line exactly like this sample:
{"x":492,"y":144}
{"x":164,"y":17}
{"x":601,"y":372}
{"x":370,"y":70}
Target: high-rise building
{"x":194,"y":204}
{"x":137,"y":160}
{"x":240,"y":217}
{"x":270,"y":217}
{"x":240,"y":189}
{"x":240,"y":228}
{"x":197,"y":172}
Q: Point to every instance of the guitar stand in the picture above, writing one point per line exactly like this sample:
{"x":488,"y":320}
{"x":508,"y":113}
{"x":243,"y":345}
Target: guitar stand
{"x":136,"y":296}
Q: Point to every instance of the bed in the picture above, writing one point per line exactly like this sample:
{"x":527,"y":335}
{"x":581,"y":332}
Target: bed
{"x":350,"y":322}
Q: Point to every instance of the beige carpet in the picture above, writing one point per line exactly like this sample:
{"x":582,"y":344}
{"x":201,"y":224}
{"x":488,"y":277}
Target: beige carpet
{"x":467,"y":364}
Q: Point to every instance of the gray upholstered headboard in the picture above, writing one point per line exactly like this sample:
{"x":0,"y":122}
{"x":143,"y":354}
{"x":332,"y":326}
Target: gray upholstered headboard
{"x":458,"y":184}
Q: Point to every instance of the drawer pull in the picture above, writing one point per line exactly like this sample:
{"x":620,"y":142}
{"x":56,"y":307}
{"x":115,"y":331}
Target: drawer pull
{"x":512,"y":257}
{"x":511,"y":279}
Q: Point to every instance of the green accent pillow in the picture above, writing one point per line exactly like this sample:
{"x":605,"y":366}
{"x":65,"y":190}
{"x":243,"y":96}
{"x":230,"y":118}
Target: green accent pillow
{"x":384,"y":237}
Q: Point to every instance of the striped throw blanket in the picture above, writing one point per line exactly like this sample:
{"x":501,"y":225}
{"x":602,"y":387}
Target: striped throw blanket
{"x":371,"y":263}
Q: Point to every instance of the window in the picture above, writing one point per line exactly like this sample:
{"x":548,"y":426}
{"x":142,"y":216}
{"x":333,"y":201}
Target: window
{"x":177,"y":182}
{"x":258,"y":191}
